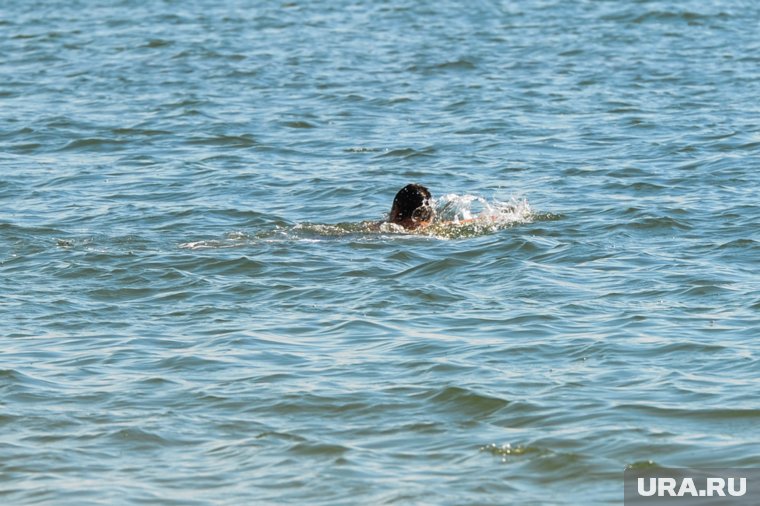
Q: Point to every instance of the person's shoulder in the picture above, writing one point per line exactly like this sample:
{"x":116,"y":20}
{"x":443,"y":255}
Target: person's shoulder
{"x":373,"y":226}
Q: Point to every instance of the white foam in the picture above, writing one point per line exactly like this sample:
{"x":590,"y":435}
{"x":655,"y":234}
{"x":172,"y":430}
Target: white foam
{"x":458,"y":209}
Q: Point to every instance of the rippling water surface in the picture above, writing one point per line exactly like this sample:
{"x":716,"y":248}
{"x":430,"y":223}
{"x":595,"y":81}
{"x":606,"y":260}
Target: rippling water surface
{"x":194,"y":311}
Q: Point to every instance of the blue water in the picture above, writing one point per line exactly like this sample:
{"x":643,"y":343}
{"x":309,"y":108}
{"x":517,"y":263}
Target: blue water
{"x":193,"y":309}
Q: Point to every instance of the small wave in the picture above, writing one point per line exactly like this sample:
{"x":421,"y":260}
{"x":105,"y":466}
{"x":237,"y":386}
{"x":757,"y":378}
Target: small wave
{"x":507,"y":450}
{"x":139,"y":132}
{"x":236,"y":141}
{"x":318,"y":449}
{"x":232,"y":240}
{"x":690,"y":17}
{"x":643,"y":464}
{"x":406,"y":153}
{"x":299,"y":124}
{"x":463,"y":400}
{"x":660,"y":222}
{"x":738,"y":244}
{"x":93,"y":144}
{"x":665,"y":16}
{"x":153,"y":43}
{"x":460,"y":64}
{"x":360,"y":149}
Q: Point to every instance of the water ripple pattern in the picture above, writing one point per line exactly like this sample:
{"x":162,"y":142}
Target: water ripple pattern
{"x":196,"y":308}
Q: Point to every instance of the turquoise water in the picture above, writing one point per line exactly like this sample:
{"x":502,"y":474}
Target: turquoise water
{"x":193,"y":310}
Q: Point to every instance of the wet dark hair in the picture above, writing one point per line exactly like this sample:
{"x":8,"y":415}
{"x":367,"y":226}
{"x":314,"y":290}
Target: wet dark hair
{"x":413,"y":203}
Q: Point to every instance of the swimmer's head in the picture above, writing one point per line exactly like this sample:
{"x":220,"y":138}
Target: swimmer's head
{"x":413,"y":207}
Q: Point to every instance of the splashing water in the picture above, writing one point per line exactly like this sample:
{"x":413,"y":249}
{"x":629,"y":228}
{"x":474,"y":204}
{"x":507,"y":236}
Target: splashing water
{"x":472,"y":215}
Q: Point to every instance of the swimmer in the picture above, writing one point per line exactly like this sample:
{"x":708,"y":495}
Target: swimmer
{"x":412,"y":207}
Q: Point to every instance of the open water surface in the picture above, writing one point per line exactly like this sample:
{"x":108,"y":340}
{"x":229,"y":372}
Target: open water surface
{"x":193,"y":312}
